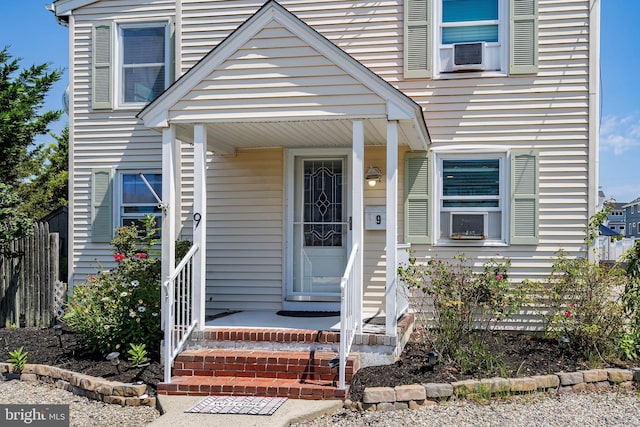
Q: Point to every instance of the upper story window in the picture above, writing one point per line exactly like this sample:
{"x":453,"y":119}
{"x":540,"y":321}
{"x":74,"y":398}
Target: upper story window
{"x":448,"y":38}
{"x":472,"y":36}
{"x":132,"y":63}
{"x":143,"y":62}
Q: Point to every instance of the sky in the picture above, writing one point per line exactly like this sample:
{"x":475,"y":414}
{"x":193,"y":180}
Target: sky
{"x":31,"y":32}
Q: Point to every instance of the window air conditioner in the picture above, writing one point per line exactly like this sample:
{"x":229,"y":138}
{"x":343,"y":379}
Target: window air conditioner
{"x":468,"y":226}
{"x":469,"y":56}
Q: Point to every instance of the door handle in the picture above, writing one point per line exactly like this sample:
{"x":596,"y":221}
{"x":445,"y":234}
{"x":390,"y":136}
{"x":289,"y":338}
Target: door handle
{"x":350,"y":223}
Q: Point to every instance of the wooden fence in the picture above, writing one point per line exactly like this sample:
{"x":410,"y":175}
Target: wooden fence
{"x":27,"y":280}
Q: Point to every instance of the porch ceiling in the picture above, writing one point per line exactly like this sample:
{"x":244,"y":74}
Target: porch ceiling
{"x":225,"y":138}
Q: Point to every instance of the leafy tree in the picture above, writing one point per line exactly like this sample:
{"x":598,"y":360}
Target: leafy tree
{"x":12,"y":225}
{"x":22,"y":94}
{"x":48,"y":189}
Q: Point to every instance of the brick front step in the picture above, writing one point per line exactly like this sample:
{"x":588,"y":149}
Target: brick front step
{"x":270,"y":335}
{"x":239,"y":386}
{"x":292,"y":365}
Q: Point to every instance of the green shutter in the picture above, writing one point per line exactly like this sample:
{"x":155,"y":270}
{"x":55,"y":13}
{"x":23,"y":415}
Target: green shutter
{"x":417,"y":203}
{"x":524,"y":197}
{"x":417,"y":39}
{"x":523,"y":28}
{"x":101,"y":205}
{"x":102,"y":73}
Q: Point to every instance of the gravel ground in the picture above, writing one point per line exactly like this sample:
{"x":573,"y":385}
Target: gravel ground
{"x":83,"y":412}
{"x":562,"y":410}
{"x":592,"y":409}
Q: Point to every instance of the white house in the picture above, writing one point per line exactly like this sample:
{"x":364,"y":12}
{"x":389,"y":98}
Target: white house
{"x":263,"y":126}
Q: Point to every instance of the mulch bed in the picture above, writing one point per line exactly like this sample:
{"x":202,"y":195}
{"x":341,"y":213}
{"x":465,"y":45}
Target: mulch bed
{"x":516,"y":354}
{"x":513,"y":355}
{"x":43,"y":347}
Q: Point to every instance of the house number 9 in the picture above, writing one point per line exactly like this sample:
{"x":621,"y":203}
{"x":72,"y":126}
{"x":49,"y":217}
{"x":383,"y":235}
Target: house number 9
{"x":378,"y":219}
{"x":197,"y":217}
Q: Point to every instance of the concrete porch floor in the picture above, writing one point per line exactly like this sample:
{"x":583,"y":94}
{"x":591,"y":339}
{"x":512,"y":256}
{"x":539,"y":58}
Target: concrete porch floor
{"x":269,"y":319}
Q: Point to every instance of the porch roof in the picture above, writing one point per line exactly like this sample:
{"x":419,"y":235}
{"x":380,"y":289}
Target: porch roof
{"x":276,"y":82}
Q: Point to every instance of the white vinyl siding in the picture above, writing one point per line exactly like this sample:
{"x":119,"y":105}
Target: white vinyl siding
{"x":245,"y":241}
{"x":548,"y":114}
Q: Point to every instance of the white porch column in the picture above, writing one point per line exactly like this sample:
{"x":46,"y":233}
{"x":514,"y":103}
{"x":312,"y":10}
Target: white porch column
{"x":392,"y":228}
{"x":169,"y":214}
{"x":200,"y":228}
{"x":357,"y":209}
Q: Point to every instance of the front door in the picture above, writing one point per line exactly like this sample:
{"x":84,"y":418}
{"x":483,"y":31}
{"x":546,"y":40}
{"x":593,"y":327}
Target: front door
{"x":319,"y":232}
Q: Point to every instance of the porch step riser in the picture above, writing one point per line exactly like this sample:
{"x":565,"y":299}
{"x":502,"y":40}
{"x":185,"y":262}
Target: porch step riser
{"x":256,"y":364}
{"x":229,"y":386}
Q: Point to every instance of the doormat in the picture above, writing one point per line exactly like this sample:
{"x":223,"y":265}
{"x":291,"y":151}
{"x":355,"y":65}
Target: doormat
{"x":291,"y":313}
{"x":241,"y":405}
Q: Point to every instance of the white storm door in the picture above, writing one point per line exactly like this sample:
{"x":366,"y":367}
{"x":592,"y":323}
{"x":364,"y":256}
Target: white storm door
{"x":320,"y":228}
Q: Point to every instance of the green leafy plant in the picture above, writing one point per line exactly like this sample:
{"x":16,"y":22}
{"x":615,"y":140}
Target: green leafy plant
{"x":138,"y":355}
{"x":122,"y":305}
{"x":18,"y":359}
{"x":456,"y":307}
{"x":584,"y":305}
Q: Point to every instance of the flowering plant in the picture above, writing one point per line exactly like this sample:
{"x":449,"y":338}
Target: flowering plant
{"x":117,"y":307}
{"x":583,"y":305}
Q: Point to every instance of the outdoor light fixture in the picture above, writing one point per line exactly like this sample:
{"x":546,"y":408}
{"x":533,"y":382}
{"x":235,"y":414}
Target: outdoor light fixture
{"x":373,"y":176}
{"x":58,"y":330}
{"x":114,"y":358}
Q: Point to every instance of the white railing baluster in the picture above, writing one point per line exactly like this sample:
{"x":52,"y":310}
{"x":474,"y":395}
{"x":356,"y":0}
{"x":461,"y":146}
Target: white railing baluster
{"x":178,"y":309}
{"x":348,"y":309}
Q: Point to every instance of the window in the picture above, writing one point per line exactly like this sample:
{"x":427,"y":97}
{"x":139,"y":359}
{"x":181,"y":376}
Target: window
{"x":143,"y":59}
{"x":464,"y":22}
{"x":487,"y":198}
{"x":446,"y":38}
{"x":136,"y":199}
{"x":471,"y":198}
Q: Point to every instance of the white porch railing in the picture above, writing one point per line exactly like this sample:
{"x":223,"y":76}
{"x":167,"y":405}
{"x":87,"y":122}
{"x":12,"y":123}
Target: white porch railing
{"x":350,"y":313}
{"x":178,"y":306}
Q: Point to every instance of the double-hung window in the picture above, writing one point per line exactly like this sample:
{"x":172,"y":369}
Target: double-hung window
{"x":462,"y":38}
{"x":144,"y":61}
{"x":472,"y":35}
{"x":136,"y":199}
{"x":471,"y":198}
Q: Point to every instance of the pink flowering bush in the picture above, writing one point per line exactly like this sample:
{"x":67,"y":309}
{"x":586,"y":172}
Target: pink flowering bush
{"x":121,"y":306}
{"x":457,"y":307}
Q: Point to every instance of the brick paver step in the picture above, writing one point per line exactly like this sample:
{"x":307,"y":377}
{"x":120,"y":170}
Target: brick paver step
{"x":239,"y":386}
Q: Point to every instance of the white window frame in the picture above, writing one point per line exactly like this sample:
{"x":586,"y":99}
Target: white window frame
{"x":119,"y":51}
{"x":501,"y":46}
{"x":503,"y":198}
{"x":119,"y":205}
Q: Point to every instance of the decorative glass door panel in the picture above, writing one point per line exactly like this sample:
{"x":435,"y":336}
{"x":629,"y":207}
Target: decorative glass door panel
{"x":319,"y":227}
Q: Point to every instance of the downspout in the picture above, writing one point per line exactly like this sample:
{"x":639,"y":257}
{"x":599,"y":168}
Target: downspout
{"x":594,"y":111}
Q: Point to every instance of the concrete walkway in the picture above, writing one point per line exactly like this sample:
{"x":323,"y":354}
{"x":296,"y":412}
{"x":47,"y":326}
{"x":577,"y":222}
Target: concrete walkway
{"x":173,"y":408}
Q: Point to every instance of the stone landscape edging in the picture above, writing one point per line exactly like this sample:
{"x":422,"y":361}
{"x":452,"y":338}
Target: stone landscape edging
{"x":415,"y":396}
{"x":95,"y":388}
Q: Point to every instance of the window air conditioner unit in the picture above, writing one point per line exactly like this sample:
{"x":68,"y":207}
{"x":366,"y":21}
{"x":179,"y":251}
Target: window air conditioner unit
{"x":468,"y":56}
{"x":468,"y":226}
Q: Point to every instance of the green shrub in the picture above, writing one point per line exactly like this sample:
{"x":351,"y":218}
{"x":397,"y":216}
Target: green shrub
{"x":138,"y":355}
{"x":585,"y":305}
{"x":456,"y":308}
{"x":121,"y":306}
